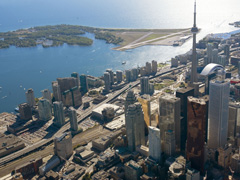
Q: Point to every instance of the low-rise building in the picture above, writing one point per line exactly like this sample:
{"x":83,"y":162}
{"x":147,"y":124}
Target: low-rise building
{"x":235,"y":163}
{"x":104,"y":142}
{"x":30,"y":168}
{"x":225,"y":154}
{"x":97,"y":113}
{"x":83,"y":155}
{"x":133,"y":170}
{"x":106,"y":159}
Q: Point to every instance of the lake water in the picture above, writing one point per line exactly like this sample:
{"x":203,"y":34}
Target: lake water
{"x":23,"y":68}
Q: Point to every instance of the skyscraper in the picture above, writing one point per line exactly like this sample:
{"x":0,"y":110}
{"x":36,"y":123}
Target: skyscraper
{"x":154,"y":66}
{"x":215,"y":56}
{"x":154,"y":138}
{"x":169,"y":117}
{"x":135,"y":126}
{"x":196,"y":136}
{"x":56,"y":91}
{"x":25,"y":111}
{"x":218,"y":111}
{"x":63,"y":145}
{"x":209,"y":52}
{"x":169,"y":143}
{"x":134,"y":74}
{"x":130,"y":99}
{"x":194,"y":31}
{"x":84,"y":83}
{"x":75,"y":75}
{"x":67,"y":83}
{"x":144,"y":84}
{"x":227,"y":53}
{"x":107,"y":82}
{"x":148,"y":68}
{"x":47,"y":95}
{"x":59,"y":118}
{"x":30,"y":97}
{"x":128,"y":75}
{"x":183,"y":93}
{"x":44,"y":110}
{"x":73,"y":118}
{"x":119,"y":76}
{"x":111,"y":76}
{"x":146,"y":106}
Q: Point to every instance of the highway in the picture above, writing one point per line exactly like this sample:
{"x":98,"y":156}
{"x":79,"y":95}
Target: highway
{"x":81,"y":138}
{"x":111,"y":96}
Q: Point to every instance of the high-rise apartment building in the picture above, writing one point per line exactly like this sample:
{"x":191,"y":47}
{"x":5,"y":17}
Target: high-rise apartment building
{"x":73,"y":118}
{"x":76,"y":75}
{"x":154,"y":66}
{"x":56,"y":91}
{"x":134,"y":74}
{"x":107,"y":81}
{"x":67,"y":83}
{"x":25,"y":111}
{"x":111,"y":76}
{"x":144,"y":84}
{"x":59,"y":118}
{"x":148,"y":68}
{"x":84,"y":83}
{"x":128,"y":75}
{"x":30,"y":97}
{"x":47,"y":95}
{"x":44,"y":110}
{"x":119,"y":75}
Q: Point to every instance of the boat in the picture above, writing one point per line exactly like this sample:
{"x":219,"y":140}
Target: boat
{"x":17,"y":109}
{"x":124,"y":62}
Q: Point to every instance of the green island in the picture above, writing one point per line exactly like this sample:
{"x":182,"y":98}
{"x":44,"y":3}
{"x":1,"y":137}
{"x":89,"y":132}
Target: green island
{"x":56,"y":35}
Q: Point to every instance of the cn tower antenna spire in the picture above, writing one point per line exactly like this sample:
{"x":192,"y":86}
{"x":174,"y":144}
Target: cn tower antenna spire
{"x":194,"y":31}
{"x":195,"y":11}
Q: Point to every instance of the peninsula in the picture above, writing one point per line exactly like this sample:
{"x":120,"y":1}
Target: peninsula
{"x":56,"y":35}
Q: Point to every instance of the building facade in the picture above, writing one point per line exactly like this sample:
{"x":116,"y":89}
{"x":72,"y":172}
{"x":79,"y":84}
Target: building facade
{"x":59,"y":118}
{"x":218,"y":112}
{"x":135,"y":126}
{"x":196,"y":135}
{"x":154,"y":138}
{"x":30,"y":97}
{"x":169,"y":117}
{"x":44,"y":110}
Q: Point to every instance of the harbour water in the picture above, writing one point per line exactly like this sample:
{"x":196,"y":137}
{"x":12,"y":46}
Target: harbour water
{"x":23,"y":68}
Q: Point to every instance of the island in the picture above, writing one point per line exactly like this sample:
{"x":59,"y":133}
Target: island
{"x":56,"y":35}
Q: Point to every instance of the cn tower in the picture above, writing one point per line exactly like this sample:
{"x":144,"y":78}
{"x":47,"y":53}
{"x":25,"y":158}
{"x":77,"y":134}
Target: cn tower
{"x":194,"y":31}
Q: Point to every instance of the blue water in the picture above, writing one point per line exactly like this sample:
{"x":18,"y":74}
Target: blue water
{"x":36,"y":67}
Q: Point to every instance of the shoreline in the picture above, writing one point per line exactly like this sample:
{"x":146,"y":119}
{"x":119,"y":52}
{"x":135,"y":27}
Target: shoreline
{"x":56,"y":35}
